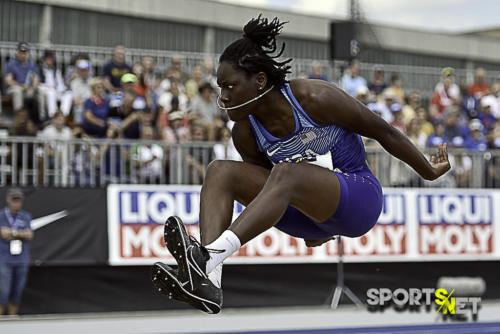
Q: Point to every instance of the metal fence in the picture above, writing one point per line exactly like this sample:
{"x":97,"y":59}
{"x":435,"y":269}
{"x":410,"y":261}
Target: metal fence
{"x":29,"y":161}
{"x":420,"y":78}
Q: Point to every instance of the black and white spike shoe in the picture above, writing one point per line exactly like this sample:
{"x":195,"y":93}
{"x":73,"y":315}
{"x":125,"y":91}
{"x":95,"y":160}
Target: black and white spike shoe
{"x":206,"y":297}
{"x":190,"y":255}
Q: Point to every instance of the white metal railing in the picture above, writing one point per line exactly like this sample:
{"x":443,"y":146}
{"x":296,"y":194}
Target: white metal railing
{"x":29,"y":161}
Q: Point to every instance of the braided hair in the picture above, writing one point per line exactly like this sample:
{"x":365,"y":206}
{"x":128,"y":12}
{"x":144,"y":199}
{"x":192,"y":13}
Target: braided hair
{"x":253,"y":52}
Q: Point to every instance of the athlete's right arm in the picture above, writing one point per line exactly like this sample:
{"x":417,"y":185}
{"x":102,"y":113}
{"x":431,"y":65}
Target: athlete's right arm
{"x":244,"y":141}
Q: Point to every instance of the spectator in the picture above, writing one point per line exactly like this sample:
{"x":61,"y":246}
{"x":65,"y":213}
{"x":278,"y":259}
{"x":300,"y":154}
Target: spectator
{"x":151,"y":77}
{"x":54,"y":133}
{"x":115,"y":69}
{"x":96,"y":110}
{"x":493,"y":100}
{"x":80,"y":87}
{"x":397,"y":122}
{"x":15,"y":233}
{"x":423,"y":118}
{"x":479,"y":87}
{"x":454,"y":132}
{"x":351,"y":80}
{"x":165,"y":100}
{"x":148,"y":157}
{"x":415,"y":134}
{"x":53,"y":88}
{"x":208,"y":72}
{"x":395,"y":88}
{"x":21,"y":77}
{"x":362,"y":95}
{"x":57,"y":130}
{"x":476,"y":140}
{"x":204,"y":109}
{"x":410,"y":109}
{"x":469,"y":104}
{"x":72,"y":69}
{"x":384,"y":106}
{"x":141,"y":87}
{"x":446,"y":94}
{"x":437,"y":138}
{"x":317,"y":72}
{"x":176,"y":131}
{"x":176,"y":69}
{"x":23,"y":125}
{"x":485,"y":115}
{"x":194,"y":83}
{"x":225,"y":149}
{"x":199,"y":157}
{"x":378,"y":84}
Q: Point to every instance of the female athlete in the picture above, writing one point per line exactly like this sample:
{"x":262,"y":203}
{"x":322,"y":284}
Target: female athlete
{"x":304,"y":167}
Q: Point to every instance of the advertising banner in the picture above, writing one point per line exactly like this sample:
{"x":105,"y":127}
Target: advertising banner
{"x":415,"y":225}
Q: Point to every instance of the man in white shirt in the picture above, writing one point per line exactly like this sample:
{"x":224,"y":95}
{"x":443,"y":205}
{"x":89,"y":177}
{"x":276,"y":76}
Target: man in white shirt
{"x":80,"y":87}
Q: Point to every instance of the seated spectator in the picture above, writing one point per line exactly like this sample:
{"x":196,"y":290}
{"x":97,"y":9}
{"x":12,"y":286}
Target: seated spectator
{"x":446,"y":94}
{"x":72,"y":70}
{"x":176,"y":70}
{"x":57,"y":129}
{"x":80,"y":88}
{"x":423,"y":118}
{"x":151,"y":77}
{"x":23,"y":125}
{"x":485,"y":115}
{"x":194,"y":83}
{"x":165,"y":100}
{"x":317,"y":72}
{"x":22,"y":79}
{"x":410,"y":109}
{"x":378,"y":84}
{"x":384,"y":106}
{"x":469,"y":104}
{"x":176,"y":131}
{"x":351,"y":80}
{"x":198,"y":157}
{"x":476,"y":140}
{"x":115,"y":69}
{"x":395,"y":88}
{"x":362,"y":95}
{"x":96,"y":110}
{"x":148,"y":157}
{"x":479,"y":87}
{"x":53,"y":88}
{"x":225,"y":149}
{"x":397,"y":121}
{"x":141,"y":86}
{"x":204,"y":109}
{"x":208,"y":72}
{"x":493,"y":136}
{"x":493,"y":100}
{"x":454,"y":132}
{"x":437,"y":138}
{"x":415,"y":134}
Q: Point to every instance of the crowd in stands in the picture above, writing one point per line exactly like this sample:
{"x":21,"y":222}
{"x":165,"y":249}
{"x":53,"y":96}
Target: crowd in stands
{"x":136,"y":101}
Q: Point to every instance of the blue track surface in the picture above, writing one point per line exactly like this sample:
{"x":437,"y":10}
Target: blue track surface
{"x":462,"y":328}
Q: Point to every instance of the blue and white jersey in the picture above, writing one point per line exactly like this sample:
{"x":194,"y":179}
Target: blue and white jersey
{"x":329,"y":146}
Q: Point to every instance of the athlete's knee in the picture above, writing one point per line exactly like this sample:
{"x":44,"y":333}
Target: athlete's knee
{"x":220,"y":170}
{"x":284,"y":175}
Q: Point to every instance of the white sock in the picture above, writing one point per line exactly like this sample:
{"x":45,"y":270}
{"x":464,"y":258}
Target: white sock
{"x":215,"y":276}
{"x":227,"y":243}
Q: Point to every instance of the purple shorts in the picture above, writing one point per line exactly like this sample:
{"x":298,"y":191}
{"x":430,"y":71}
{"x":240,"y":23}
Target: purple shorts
{"x":357,"y":212}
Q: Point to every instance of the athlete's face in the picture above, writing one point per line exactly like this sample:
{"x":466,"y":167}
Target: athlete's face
{"x":238,"y":87}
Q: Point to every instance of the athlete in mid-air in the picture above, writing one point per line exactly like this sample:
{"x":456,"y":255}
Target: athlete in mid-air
{"x":304,"y":167}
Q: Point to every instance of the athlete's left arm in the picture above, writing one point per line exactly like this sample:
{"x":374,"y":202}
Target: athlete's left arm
{"x":332,"y":105}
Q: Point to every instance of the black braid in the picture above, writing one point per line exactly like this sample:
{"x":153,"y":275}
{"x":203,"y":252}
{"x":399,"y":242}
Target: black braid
{"x":253,"y":52}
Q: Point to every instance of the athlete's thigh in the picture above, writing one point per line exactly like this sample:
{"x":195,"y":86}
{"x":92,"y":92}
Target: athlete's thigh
{"x":315,"y":190}
{"x":245,"y":180}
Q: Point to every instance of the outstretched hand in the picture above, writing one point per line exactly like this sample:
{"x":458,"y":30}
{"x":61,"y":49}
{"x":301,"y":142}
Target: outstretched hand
{"x":439,"y":161}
